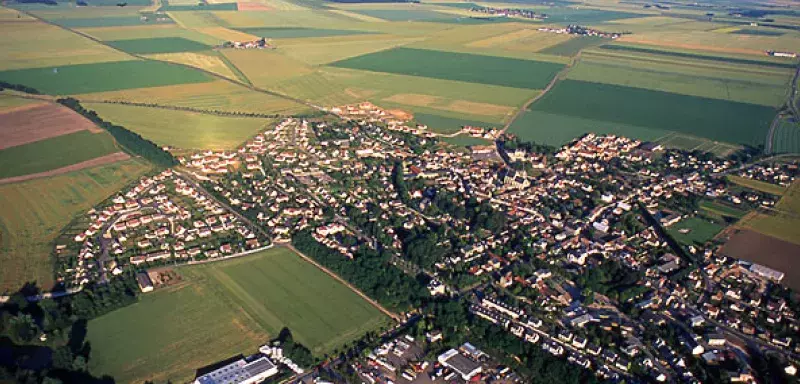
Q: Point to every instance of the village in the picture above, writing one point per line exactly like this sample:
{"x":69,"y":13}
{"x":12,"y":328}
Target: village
{"x":565,"y":249}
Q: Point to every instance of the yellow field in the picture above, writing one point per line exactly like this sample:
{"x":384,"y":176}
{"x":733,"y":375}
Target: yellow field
{"x":226,"y":34}
{"x":183,"y":130}
{"x":208,"y":62}
{"x":217,"y":95}
{"x":32,"y":213}
{"x":522,"y":40}
{"x":726,"y":29}
{"x":358,"y":16}
{"x":318,"y":51}
{"x":460,"y":106}
{"x":8,"y":14}
{"x":264,"y":67}
{"x":717,"y":42}
{"x":22,"y":46}
{"x":8,"y":101}
{"x":195,"y":19}
{"x":783,"y":222}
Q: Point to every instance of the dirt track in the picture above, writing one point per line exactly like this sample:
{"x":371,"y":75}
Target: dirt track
{"x":107,"y":159}
{"x":31,"y":123}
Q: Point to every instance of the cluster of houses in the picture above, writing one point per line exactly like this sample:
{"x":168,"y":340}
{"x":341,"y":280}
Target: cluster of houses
{"x":580,"y":31}
{"x":510,"y":12}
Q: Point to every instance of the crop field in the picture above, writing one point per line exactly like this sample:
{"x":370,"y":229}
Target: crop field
{"x":492,"y":111}
{"x":787,"y":137}
{"x":565,"y":15}
{"x":22,"y":47}
{"x":521,"y":39}
{"x":108,"y":21}
{"x":180,"y":129}
{"x":759,"y":32}
{"x":757,"y":185}
{"x":158,"y":45}
{"x":699,"y":230}
{"x":783,"y":222}
{"x":731,"y":122}
{"x":100,"y":77}
{"x":722,"y":210}
{"x":440,"y":123}
{"x":715,"y":42}
{"x":253,"y":62}
{"x":37,"y":120}
{"x":766,"y":250}
{"x":698,"y":56}
{"x":213,"y":96}
{"x":32,"y":213}
{"x":10,"y":103}
{"x":54,"y":152}
{"x":327,"y":50}
{"x":224,"y":309}
{"x":558,"y":129}
{"x":739,"y":86}
{"x":211,"y":62}
{"x":151,"y":32}
{"x":694,"y":143}
{"x":166,"y":7}
{"x":289,"y":33}
{"x":457,"y":66}
{"x":572,"y":46}
{"x":405,"y":14}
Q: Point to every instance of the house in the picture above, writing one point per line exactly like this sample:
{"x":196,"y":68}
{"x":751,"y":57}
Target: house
{"x":145,"y":284}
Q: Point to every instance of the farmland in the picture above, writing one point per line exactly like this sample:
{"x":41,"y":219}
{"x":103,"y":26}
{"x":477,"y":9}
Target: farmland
{"x":783,"y":222}
{"x":185,"y":130}
{"x":225,"y":309}
{"x":35,"y":120}
{"x":766,"y":250}
{"x":288,"y":32}
{"x":33,"y":212}
{"x":100,"y":77}
{"x":757,"y":185}
{"x":158,"y":45}
{"x":54,"y":152}
{"x":457,"y":66}
{"x":733,"y":122}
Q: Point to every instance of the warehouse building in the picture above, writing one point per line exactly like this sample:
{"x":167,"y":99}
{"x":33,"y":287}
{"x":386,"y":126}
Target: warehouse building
{"x":252,"y":370}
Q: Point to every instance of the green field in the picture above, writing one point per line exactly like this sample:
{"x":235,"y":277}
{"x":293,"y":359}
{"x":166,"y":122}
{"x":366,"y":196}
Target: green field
{"x":698,"y":56}
{"x":289,"y":32}
{"x":465,"y":67}
{"x":757,"y":185}
{"x":440,"y":123}
{"x":758,"y":32}
{"x":224,"y":309}
{"x":200,"y":6}
{"x":55,"y":152}
{"x":158,"y":45}
{"x":181,"y":129}
{"x":33,"y":212}
{"x":719,"y":120}
{"x":563,"y":15}
{"x":787,"y":137}
{"x":405,"y":14}
{"x":572,"y":46}
{"x":783,"y":222}
{"x":700,"y":231}
{"x":101,"y":77}
{"x":108,"y":21}
{"x":720,"y":209}
{"x":557,"y":129}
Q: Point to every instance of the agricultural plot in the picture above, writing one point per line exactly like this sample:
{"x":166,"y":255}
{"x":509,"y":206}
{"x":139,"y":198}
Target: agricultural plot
{"x":766,"y":250}
{"x":783,"y":222}
{"x":715,"y":208}
{"x":694,"y":231}
{"x":158,"y":45}
{"x":558,"y":129}
{"x":292,"y":33}
{"x":55,"y":152}
{"x":32,"y":213}
{"x":319,"y":51}
{"x":698,"y":56}
{"x":787,"y":138}
{"x":167,"y":7}
{"x":757,"y":185}
{"x":9,"y":103}
{"x":571,"y":47}
{"x":521,"y":40}
{"x":731,"y":122}
{"x":252,"y":63}
{"x":213,"y":96}
{"x":100,"y":77}
{"x":457,"y":66}
{"x":37,"y":120}
{"x":694,"y":143}
{"x":758,"y":32}
{"x":110,"y":21}
{"x":728,"y":43}
{"x":23,"y":47}
{"x":564,"y":15}
{"x":211,"y":62}
{"x":180,"y":129}
{"x":440,"y":123}
{"x":405,"y":14}
{"x":152,"y":32}
{"x":225,"y":309}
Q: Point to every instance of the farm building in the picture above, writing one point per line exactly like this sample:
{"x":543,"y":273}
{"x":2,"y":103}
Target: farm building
{"x":252,"y":370}
{"x":145,"y":284}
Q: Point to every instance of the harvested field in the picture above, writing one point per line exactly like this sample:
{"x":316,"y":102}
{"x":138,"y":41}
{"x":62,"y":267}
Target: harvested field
{"x":205,"y":61}
{"x":766,"y":250}
{"x":573,"y":46}
{"x":158,"y":45}
{"x":97,"y":161}
{"x":34,"y":122}
{"x":250,"y":6}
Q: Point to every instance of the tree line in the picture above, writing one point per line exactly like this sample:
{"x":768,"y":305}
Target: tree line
{"x":131,"y":141}
{"x":19,"y":87}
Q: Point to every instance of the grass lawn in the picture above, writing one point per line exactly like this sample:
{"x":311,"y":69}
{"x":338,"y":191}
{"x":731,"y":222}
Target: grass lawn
{"x":465,"y":67}
{"x":55,"y":152}
{"x":185,"y":130}
{"x":720,"y":120}
{"x":33,"y":212}
{"x":158,"y":45}
{"x":224,"y":309}
{"x":721,"y":209}
{"x":700,"y":231}
{"x":101,"y":77}
{"x":757,"y":185}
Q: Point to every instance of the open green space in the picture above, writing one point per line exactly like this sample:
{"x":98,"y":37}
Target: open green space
{"x":757,"y":185}
{"x":466,"y":67}
{"x":572,"y":46}
{"x":224,"y":309}
{"x":290,"y":32}
{"x":101,"y":77}
{"x":109,"y":21}
{"x":699,"y":230}
{"x":720,"y":120}
{"x":158,"y":45}
{"x":55,"y":152}
{"x":698,"y":56}
{"x":182,"y":129}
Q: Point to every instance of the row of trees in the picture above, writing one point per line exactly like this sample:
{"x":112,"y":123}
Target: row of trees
{"x":131,"y":141}
{"x":370,"y":272}
{"x":19,"y":87}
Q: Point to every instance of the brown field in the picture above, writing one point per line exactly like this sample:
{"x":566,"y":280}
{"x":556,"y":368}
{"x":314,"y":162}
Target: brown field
{"x":34,"y":122}
{"x":107,"y":159}
{"x":250,"y":6}
{"x":766,"y":250}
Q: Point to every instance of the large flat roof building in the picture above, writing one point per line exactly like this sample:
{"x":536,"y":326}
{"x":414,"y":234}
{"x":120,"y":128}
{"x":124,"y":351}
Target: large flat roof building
{"x":241,"y":372}
{"x":464,"y":366}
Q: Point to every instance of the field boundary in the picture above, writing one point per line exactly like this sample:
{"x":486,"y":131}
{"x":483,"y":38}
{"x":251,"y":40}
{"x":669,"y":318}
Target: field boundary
{"x":346,"y":284}
{"x":106,"y":159}
{"x":189,"y":109}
